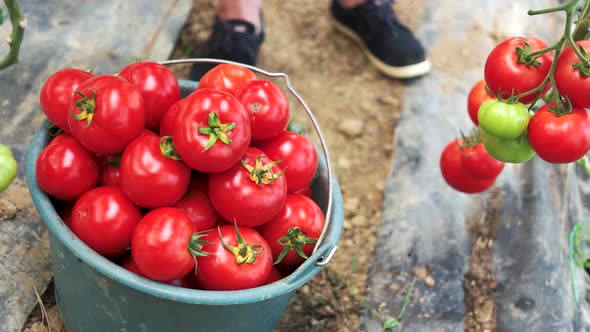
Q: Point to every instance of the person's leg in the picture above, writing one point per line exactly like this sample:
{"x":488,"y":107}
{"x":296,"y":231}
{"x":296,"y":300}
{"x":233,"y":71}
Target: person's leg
{"x":390,"y":46}
{"x":236,"y":35}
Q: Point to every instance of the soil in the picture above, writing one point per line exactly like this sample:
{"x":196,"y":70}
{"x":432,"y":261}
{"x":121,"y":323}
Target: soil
{"x":357,"y":109}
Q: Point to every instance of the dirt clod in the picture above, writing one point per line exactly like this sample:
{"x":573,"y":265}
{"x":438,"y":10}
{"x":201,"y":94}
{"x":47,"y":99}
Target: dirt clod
{"x":7,"y":209}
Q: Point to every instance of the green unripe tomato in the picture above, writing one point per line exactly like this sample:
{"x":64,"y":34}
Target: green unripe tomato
{"x":7,"y":167}
{"x":502,"y":119}
{"x":516,"y":150}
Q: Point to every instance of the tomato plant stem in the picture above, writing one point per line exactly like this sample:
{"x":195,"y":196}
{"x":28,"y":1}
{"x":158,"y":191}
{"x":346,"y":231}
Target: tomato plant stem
{"x":19,"y":23}
{"x":582,"y":30}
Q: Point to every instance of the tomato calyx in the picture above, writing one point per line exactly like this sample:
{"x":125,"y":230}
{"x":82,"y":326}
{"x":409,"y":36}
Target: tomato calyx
{"x":195,"y":244}
{"x":216,"y":130}
{"x":470,"y":141}
{"x":296,"y":240}
{"x":560,"y":107}
{"x":524,"y":56}
{"x":87,"y":106}
{"x":167,"y":148}
{"x":244,"y":253}
{"x":262,"y":174}
{"x":581,"y":66}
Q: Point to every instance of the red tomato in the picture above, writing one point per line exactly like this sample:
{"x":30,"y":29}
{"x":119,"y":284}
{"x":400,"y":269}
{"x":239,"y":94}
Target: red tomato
{"x":249,"y":193}
{"x":186,"y":281}
{"x":109,"y":176}
{"x":454,"y":173}
{"x":234,"y":261}
{"x":65,"y":170}
{"x":197,"y":206}
{"x":110,"y":115}
{"x":267,"y":106}
{"x":167,"y":123}
{"x":104,"y":218}
{"x":298,"y":158}
{"x":570,"y":80}
{"x":274,"y":275}
{"x":212,"y":131}
{"x":226,"y":77}
{"x":504,"y":73}
{"x":149,"y":178}
{"x":477,"y":162}
{"x":160,"y":244}
{"x":157,"y":85}
{"x":477,"y":95}
{"x":57,"y":92}
{"x":560,"y":138}
{"x":292,"y":234}
{"x":305,"y":191}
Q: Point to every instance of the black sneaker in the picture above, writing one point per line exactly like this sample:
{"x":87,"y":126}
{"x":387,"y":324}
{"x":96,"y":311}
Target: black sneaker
{"x":232,"y":40}
{"x":388,"y":44}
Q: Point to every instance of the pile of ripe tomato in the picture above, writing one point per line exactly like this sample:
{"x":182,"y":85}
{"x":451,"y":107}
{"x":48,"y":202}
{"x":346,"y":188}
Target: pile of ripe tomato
{"x":209,"y":191}
{"x":511,"y":127}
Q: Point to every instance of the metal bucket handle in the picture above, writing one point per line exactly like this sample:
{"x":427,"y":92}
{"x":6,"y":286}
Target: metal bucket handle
{"x":323,"y":260}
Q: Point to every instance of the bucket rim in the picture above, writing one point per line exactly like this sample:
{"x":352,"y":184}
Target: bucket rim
{"x":85,"y":254}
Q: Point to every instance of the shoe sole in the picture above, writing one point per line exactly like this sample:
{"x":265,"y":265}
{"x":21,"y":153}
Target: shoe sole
{"x":405,"y":72}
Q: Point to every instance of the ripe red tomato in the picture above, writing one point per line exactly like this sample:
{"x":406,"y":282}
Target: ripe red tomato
{"x":504,"y":73}
{"x":65,"y":170}
{"x":274,"y":275}
{"x":477,"y":95}
{"x":104,"y":218}
{"x":167,"y":123}
{"x":234,"y":261}
{"x":267,"y":106}
{"x":249,"y":193}
{"x":186,"y":281}
{"x":109,"y":176}
{"x":212,"y":131}
{"x":197,"y":206}
{"x":477,"y":162}
{"x":298,"y":158}
{"x":454,"y":173}
{"x":560,"y":138}
{"x":149,"y":178}
{"x":570,"y":80}
{"x":226,"y":77}
{"x":110,"y":115}
{"x":305,"y":191}
{"x":157,"y":85}
{"x":292,"y":233}
{"x":57,"y":92}
{"x":160,"y":244}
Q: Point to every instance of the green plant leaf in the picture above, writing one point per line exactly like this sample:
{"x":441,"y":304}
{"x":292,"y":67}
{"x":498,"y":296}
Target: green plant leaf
{"x":1,"y":16}
{"x":390,"y":323}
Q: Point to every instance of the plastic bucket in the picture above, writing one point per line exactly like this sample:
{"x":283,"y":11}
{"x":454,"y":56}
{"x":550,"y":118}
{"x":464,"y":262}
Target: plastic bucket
{"x":94,"y":294}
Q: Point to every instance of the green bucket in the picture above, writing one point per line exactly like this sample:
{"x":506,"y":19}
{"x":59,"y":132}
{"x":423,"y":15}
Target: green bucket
{"x":94,"y":294}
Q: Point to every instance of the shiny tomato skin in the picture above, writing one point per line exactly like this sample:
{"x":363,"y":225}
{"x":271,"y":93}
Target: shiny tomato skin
{"x":569,"y":80}
{"x":560,"y":139}
{"x":150,"y":179}
{"x":186,"y":281}
{"x":118,"y":114}
{"x":477,"y":95}
{"x":267,"y":106}
{"x":197,"y":205}
{"x":477,"y":162}
{"x":236,"y":197}
{"x":504,"y":120}
{"x":167,"y":123}
{"x":109,"y":176}
{"x":65,"y":170}
{"x":220,"y":271}
{"x":192,"y":144}
{"x":298,"y":158}
{"x":274,"y":275}
{"x":305,"y":191}
{"x":57,"y":93}
{"x":454,"y":174}
{"x":104,"y":218}
{"x":160,"y":242}
{"x":503,"y":73}
{"x":226,"y":77}
{"x":298,"y":211}
{"x":517,"y":150}
{"x":157,"y":85}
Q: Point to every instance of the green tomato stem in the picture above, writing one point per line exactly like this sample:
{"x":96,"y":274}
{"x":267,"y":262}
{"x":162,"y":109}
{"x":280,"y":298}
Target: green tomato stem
{"x":19,"y":23}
